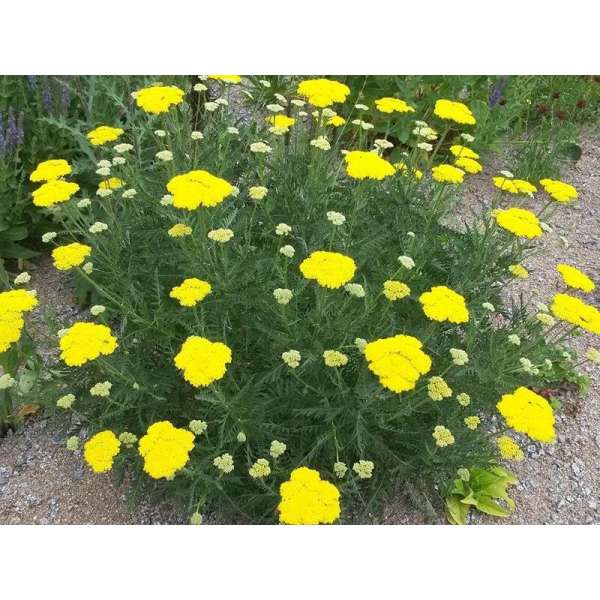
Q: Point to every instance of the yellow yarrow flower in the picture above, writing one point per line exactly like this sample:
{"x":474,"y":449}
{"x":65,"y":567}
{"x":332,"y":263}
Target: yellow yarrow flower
{"x":100,"y":451}
{"x":472,"y":422}
{"x":103,"y":134}
{"x":390,"y":105}
{"x":330,"y":269}
{"x":179,"y":230}
{"x":165,"y":449}
{"x":522,"y":223}
{"x":336,"y":121}
{"x":529,"y":413}
{"x":233,"y":79}
{"x":222,"y":236}
{"x":560,"y":191}
{"x":13,"y":303}
{"x":113,"y":183}
{"x":260,"y":469}
{"x":198,"y":188}
{"x":438,"y":389}
{"x":84,"y":341}
{"x":575,"y":311}
{"x":514,"y":186}
{"x":443,"y":304}
{"x":575,"y":278}
{"x":397,"y":361}
{"x":454,"y":111}
{"x":282,"y":122}
{"x":395,"y":290}
{"x":463,"y":152}
{"x":364,"y":468}
{"x":447,"y":174}
{"x":71,"y":255}
{"x":323,"y":92}
{"x":443,"y":436}
{"x":469,"y":165}
{"x":53,"y":192}
{"x":463,"y":399}
{"x":509,"y":449}
{"x":191,"y":291}
{"x":333,"y":358}
{"x":202,"y":361}
{"x":518,"y":271}
{"x":257,"y":192}
{"x":367,"y":165}
{"x":49,"y":170}
{"x":158,"y":99}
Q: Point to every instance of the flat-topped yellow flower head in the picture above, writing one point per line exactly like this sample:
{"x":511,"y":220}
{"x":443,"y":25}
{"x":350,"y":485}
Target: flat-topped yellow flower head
{"x":233,"y":79}
{"x":390,"y":105}
{"x":282,"y":122}
{"x":329,"y":269}
{"x":165,"y":449}
{"x":575,"y":311}
{"x":447,"y":174}
{"x":514,"y":186}
{"x":397,"y":361}
{"x":202,"y":361}
{"x":463,"y":152}
{"x":100,"y":450}
{"x":529,"y":413}
{"x":103,"y":134}
{"x":191,"y":291}
{"x":454,"y":111}
{"x":306,"y":499}
{"x":71,"y":255}
{"x":575,"y":278}
{"x":470,"y":165}
{"x":54,"y":192}
{"x":323,"y":92}
{"x":158,"y":99}
{"x":443,"y":304}
{"x":522,"y":223}
{"x":49,"y":170}
{"x":84,"y":341}
{"x":198,"y":188}
{"x":367,"y":165}
{"x":560,"y":191}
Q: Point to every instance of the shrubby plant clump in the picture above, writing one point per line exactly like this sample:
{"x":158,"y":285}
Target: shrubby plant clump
{"x":284,"y":326}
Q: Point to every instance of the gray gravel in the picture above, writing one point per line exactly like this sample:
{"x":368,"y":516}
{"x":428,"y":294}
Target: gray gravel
{"x":41,"y":482}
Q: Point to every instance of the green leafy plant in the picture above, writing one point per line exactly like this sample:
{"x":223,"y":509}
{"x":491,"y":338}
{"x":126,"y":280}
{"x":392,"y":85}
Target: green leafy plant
{"x":484,"y":489}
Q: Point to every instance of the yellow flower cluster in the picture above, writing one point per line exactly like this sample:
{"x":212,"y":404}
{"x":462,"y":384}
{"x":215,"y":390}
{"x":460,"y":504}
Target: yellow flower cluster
{"x":575,"y":278}
{"x":443,"y":304}
{"x":100,"y":450}
{"x":518,"y":271}
{"x":367,"y":165}
{"x":463,"y":152}
{"x":191,"y":291}
{"x":469,"y":165}
{"x":438,"y":389}
{"x":202,"y":361}
{"x":329,"y":269}
{"x":158,"y":99}
{"x":306,"y":499}
{"x":53,"y":192}
{"x":179,"y":230}
{"x":84,"y":341}
{"x":514,"y":186}
{"x":71,"y":255}
{"x":281,"y":122}
{"x":447,"y":174}
{"x":520,"y":222}
{"x":49,"y":170}
{"x":13,"y":303}
{"x":103,"y":134}
{"x":575,"y":311}
{"x":323,"y":92}
{"x":395,"y":290}
{"x":390,"y":105}
{"x":529,"y":413}
{"x":398,"y":361}
{"x":165,"y":449}
{"x":509,"y":449}
{"x":198,"y":188}
{"x":233,"y":79}
{"x":336,"y":121}
{"x":112,"y":183}
{"x":472,"y":422}
{"x":333,"y":358}
{"x":260,"y":469}
{"x":454,"y":111}
{"x":560,"y":191}
{"x":443,"y":436}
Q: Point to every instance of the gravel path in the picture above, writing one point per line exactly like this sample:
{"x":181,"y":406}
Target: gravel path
{"x":41,"y":482}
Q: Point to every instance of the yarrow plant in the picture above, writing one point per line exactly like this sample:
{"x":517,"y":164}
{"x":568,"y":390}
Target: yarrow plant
{"x":289,"y":325}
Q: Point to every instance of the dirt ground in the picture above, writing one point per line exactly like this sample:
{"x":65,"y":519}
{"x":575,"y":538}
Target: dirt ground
{"x":41,"y":482}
